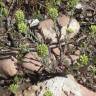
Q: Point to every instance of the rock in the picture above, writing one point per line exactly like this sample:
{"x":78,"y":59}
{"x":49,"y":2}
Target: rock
{"x":86,"y":92}
{"x":67,"y":61}
{"x":71,"y":48}
{"x":35,"y":22}
{"x":51,"y":64}
{"x":79,"y":6}
{"x":68,"y":23}
{"x":77,"y":52}
{"x":46,"y":24}
{"x":31,"y":91}
{"x":4,"y":91}
{"x":74,"y":58}
{"x":74,"y":26}
{"x":56,"y":51}
{"x":32,"y":62}
{"x":8,"y":67}
{"x":19,"y":94}
{"x":63,"y":20}
{"x":28,"y":93}
{"x":39,"y":37}
{"x":67,"y":87}
{"x":47,"y":30}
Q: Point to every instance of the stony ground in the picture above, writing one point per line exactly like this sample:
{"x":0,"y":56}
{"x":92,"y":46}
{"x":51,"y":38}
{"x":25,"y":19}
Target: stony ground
{"x":66,"y":40}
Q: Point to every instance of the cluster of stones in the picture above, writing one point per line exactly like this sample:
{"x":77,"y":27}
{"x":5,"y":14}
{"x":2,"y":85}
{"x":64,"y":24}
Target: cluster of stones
{"x":31,"y":61}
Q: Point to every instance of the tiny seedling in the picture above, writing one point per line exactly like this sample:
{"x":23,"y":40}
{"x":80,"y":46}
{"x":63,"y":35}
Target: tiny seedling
{"x":48,"y":93}
{"x":70,"y":30}
{"x":14,"y":88}
{"x":84,"y":59}
{"x":23,"y":48}
{"x":3,"y":10}
{"x":37,"y":15}
{"x":93,"y":29}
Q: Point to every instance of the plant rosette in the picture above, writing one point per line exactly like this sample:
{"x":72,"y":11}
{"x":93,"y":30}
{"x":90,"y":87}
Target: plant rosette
{"x":19,"y":16}
{"x":93,"y":29}
{"x":14,"y":88}
{"x":70,"y":30}
{"x":48,"y":93}
{"x":42,"y":50}
{"x":22,"y":27}
{"x":53,"y":13}
{"x":84,"y":59}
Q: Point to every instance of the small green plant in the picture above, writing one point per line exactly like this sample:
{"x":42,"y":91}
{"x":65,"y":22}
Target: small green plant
{"x":19,"y":15}
{"x":93,"y":69}
{"x":53,"y":2}
{"x":24,"y":48}
{"x":72,"y":3}
{"x":13,"y":88}
{"x":20,"y":19}
{"x":84,"y":59}
{"x":70,"y":30}
{"x":2,"y":5}
{"x":57,"y":2}
{"x":3,"y":10}
{"x":42,"y":50}
{"x":22,"y":27}
{"x":37,"y":14}
{"x":53,"y":13}
{"x":17,"y":79}
{"x":48,"y":93}
{"x":93,"y":29}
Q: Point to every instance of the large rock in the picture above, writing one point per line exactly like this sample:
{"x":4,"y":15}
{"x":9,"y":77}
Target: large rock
{"x":56,"y":51}
{"x":61,"y":86}
{"x":32,"y":62}
{"x":8,"y":67}
{"x":58,"y":86}
{"x":64,"y":86}
{"x":35,"y":63}
{"x":47,"y":30}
